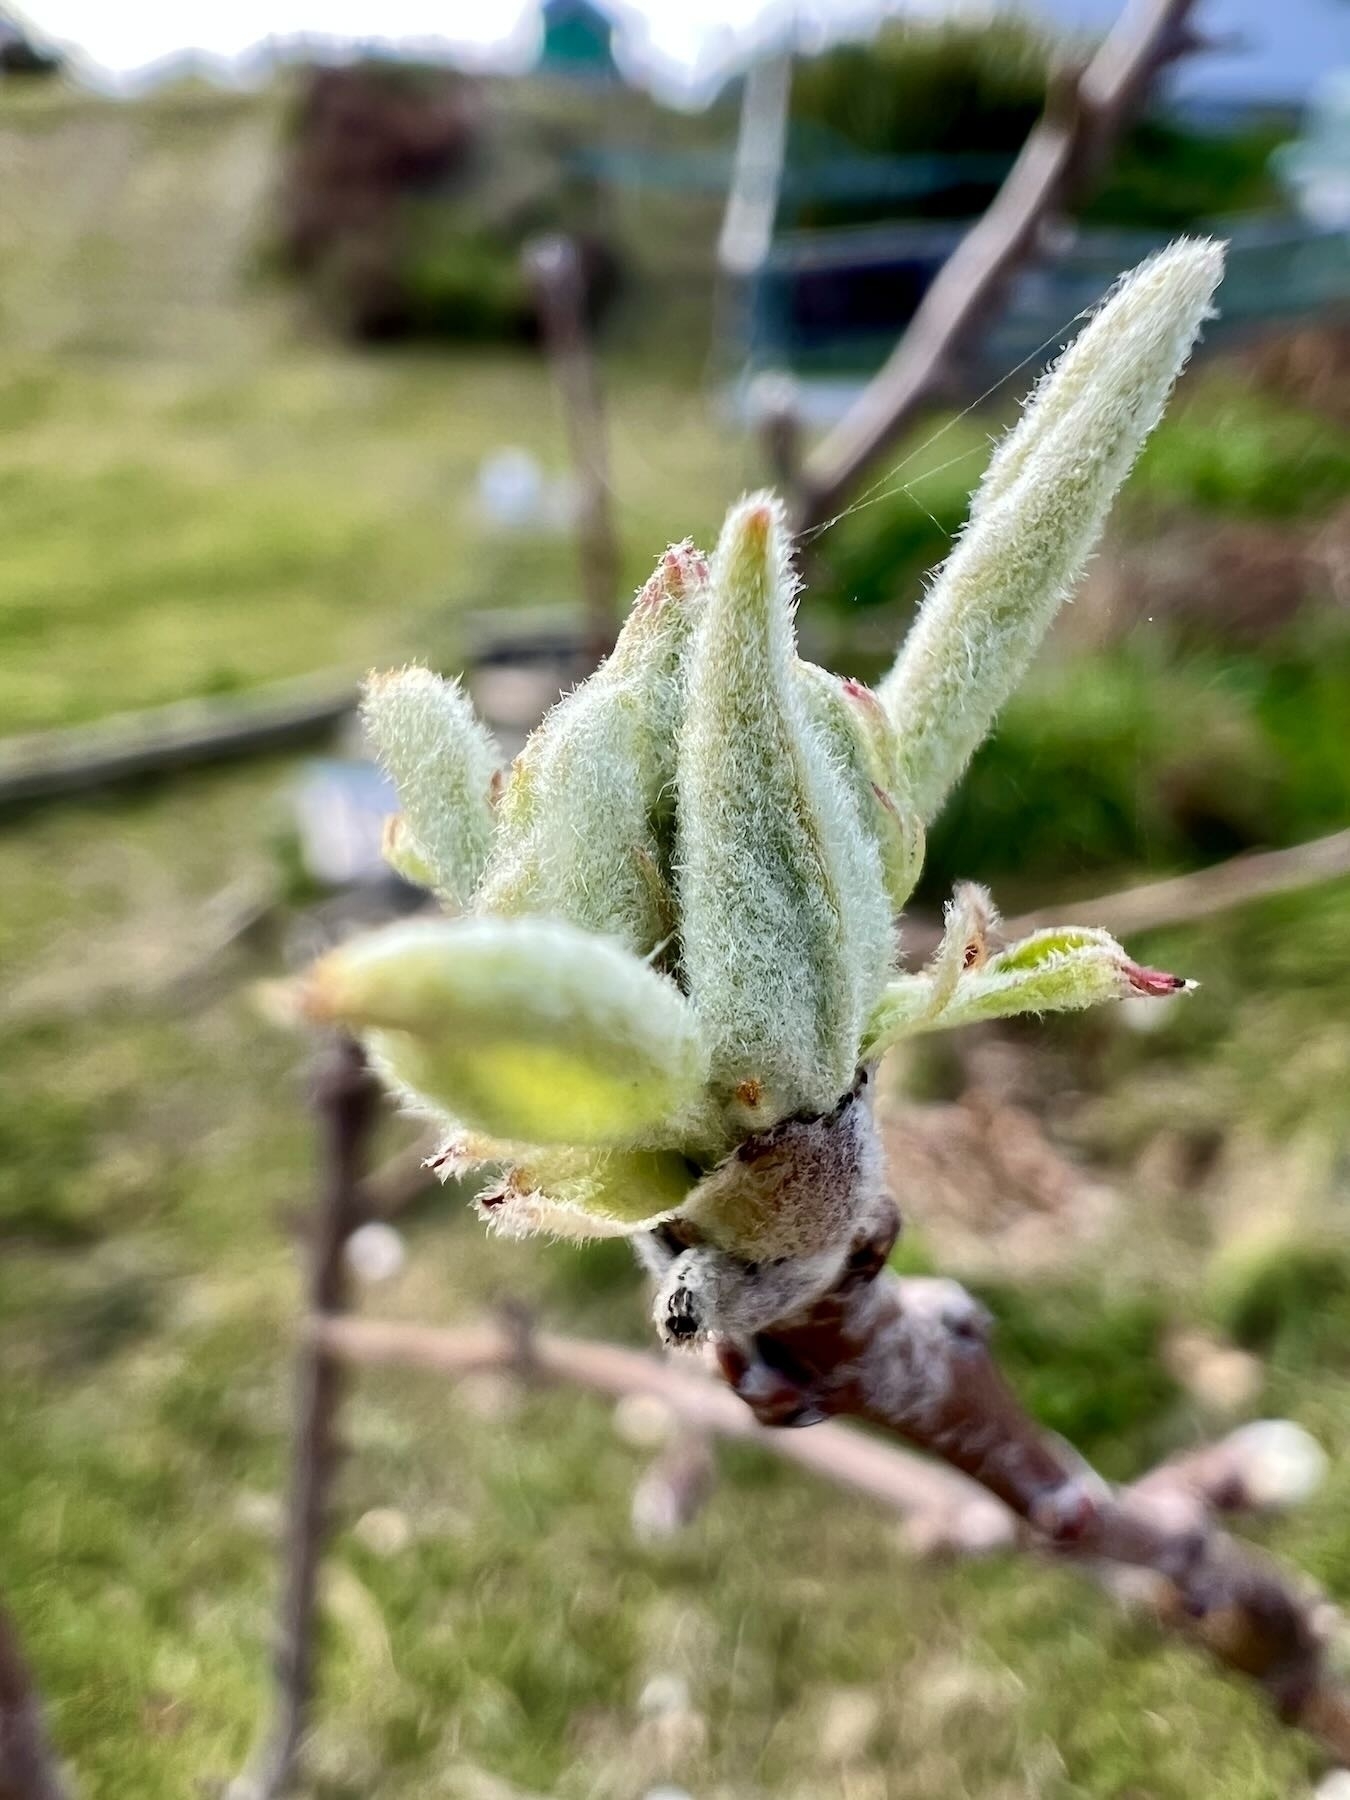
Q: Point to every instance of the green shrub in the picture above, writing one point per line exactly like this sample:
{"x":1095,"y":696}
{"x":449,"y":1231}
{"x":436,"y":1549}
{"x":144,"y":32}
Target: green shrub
{"x":974,"y":88}
{"x":1289,"y":1301}
{"x":1088,"y":1365}
{"x":929,"y":88}
{"x":1232,"y":451}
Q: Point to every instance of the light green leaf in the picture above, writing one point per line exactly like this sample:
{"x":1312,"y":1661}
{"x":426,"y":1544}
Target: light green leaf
{"x":585,"y":820}
{"x":442,"y":760}
{"x":586,"y":1194}
{"x":1060,"y":970}
{"x":529,"y":1030}
{"x":1039,"y":514}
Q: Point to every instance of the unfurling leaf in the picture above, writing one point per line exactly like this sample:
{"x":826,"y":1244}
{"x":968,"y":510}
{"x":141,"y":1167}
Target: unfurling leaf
{"x":1039,"y":514}
{"x":586,"y":1193}
{"x":786,"y":926}
{"x":442,"y":760}
{"x":531,"y":1031}
{"x":585,"y":819}
{"x":855,"y":724}
{"x":1059,"y":970}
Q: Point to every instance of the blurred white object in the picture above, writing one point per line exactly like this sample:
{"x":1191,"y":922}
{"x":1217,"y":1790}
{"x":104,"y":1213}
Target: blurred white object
{"x":1317,"y":166}
{"x":1145,"y":1014}
{"x":375,"y":1252}
{"x":643,"y":1421}
{"x":664,"y":1693}
{"x":1218,"y":1374}
{"x":1282,"y":1464}
{"x":511,"y":488}
{"x":383,"y":1530}
{"x":340,"y":810}
{"x":1334,"y":1785}
{"x":514,"y":493}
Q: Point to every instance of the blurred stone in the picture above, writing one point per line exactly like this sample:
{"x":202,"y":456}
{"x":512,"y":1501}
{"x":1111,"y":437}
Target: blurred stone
{"x":1217,"y":1374}
{"x":671,"y":1739}
{"x":978,"y":1528}
{"x":488,"y":1394}
{"x":643,"y":1421}
{"x":383,"y":1530}
{"x":1282,"y":1465}
{"x":259,"y":1512}
{"x":848,"y":1723}
{"x":375,"y":1252}
{"x":951,"y":1687}
{"x":671,"y":1493}
{"x":664,"y":1693}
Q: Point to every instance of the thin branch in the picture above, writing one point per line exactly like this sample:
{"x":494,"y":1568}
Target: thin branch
{"x":1059,"y":158}
{"x":28,"y":1766}
{"x":1179,"y":900}
{"x":554,"y":267}
{"x":846,"y":1457}
{"x":345,"y":1101}
{"x":911,"y":1357}
{"x":76,"y":759}
{"x":1184,"y":898}
{"x":757,"y":168}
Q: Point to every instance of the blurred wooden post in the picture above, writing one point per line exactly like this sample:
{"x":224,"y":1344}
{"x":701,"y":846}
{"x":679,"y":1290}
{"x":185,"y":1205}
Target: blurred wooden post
{"x":775,"y":401}
{"x":554,"y":267}
{"x":345,"y":1103}
{"x":746,"y":237}
{"x":1083,"y":119}
{"x":28,"y":1767}
{"x":757,"y":168}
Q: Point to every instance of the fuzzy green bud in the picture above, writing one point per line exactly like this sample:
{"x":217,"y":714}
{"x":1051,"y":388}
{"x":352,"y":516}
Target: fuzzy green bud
{"x":785,"y":919}
{"x":586,"y":1194}
{"x":1040,"y":514}
{"x":585,"y":819}
{"x":855,"y":724}
{"x":529,"y":1030}
{"x":443,"y":761}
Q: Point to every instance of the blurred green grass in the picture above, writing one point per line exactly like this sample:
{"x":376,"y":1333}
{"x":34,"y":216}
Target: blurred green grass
{"x":179,"y":522}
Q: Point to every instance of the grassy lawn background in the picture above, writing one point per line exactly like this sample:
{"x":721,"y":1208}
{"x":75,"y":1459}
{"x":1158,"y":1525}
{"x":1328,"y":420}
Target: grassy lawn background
{"x":196,"y":500}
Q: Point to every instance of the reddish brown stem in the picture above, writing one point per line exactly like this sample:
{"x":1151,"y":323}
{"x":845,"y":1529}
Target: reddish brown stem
{"x":554,"y":266}
{"x":28,"y":1767}
{"x":1064,"y":151}
{"x":912,"y":1358}
{"x":345,"y":1101}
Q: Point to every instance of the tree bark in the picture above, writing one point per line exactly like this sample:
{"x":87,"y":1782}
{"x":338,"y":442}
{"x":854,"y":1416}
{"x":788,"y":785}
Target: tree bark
{"x":28,"y":1766}
{"x":345,"y":1100}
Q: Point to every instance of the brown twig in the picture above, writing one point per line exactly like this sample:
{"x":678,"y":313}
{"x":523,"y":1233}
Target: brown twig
{"x":843,"y":1456}
{"x":554,"y":267}
{"x":1179,"y":900}
{"x":28,"y":1766}
{"x":911,"y":1357}
{"x":1081,"y":122}
{"x":345,"y":1101}
{"x":1185,"y":898}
